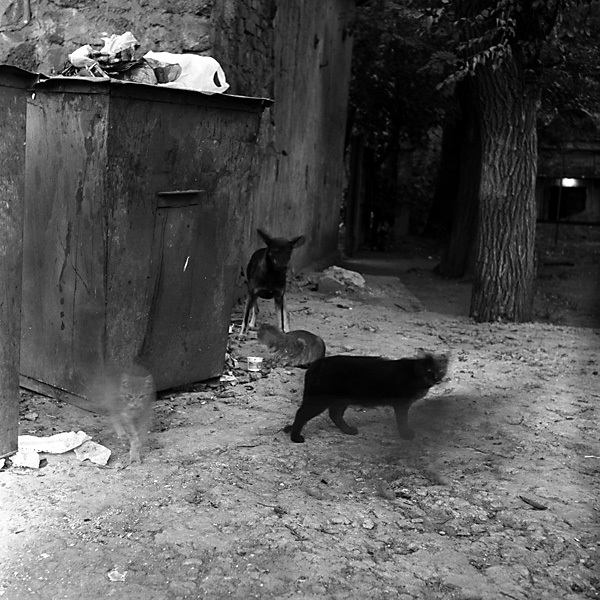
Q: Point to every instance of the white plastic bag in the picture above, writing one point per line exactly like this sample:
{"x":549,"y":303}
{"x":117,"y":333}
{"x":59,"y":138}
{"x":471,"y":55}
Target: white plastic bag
{"x":200,"y":73}
{"x":81,"y":58}
{"x":119,"y":43}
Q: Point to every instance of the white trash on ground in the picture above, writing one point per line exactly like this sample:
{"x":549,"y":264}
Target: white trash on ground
{"x":58,"y":443}
{"x":345,"y":276}
{"x":30,"y":447}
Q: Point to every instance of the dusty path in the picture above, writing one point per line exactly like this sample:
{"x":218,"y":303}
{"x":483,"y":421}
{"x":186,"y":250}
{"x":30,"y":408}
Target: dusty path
{"x":225,"y":506}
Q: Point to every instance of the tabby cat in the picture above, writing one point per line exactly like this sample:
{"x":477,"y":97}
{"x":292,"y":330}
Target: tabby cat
{"x":127,"y":395}
{"x":335,"y":382}
{"x":296,"y":348}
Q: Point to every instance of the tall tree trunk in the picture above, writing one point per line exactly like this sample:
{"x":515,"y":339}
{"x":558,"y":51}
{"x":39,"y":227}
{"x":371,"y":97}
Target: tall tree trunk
{"x":355,"y":195}
{"x":446,"y":182}
{"x":458,"y":258}
{"x":504,"y":263}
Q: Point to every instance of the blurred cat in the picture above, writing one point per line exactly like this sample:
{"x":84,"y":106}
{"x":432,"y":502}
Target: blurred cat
{"x":127,"y":396}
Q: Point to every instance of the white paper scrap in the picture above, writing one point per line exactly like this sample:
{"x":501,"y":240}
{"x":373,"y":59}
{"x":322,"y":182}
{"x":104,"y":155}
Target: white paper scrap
{"x":53,"y":444}
{"x":96,"y":453}
{"x":26,"y":458}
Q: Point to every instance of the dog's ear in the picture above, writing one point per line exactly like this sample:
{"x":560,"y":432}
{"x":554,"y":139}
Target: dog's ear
{"x":267,"y":239}
{"x":299,"y":241}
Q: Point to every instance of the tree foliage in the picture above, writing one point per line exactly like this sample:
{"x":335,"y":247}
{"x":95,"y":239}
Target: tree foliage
{"x":571,"y":76}
{"x":394,"y":105}
{"x":393,"y":97}
{"x":552,"y":41}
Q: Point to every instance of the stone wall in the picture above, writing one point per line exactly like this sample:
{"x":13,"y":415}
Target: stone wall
{"x":296,"y":52}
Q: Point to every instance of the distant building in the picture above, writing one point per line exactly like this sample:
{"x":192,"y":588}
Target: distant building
{"x":568,"y":178}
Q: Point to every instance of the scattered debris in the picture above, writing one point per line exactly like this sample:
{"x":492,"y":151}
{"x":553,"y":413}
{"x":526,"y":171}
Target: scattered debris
{"x":116,"y":575}
{"x":345,"y":277}
{"x":335,"y":280}
{"x":94,"y":452}
{"x":254,"y":363}
{"x":330,"y":285}
{"x":120,"y":58}
{"x":31,"y":446}
{"x":53,"y":444}
{"x":29,"y":459}
{"x":533,"y":503}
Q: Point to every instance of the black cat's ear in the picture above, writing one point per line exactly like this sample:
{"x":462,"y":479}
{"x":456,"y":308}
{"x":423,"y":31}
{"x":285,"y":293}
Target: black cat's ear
{"x":422,"y":354}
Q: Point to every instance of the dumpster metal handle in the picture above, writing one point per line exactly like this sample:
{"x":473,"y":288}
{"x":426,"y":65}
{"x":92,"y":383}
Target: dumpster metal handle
{"x":177,"y":198}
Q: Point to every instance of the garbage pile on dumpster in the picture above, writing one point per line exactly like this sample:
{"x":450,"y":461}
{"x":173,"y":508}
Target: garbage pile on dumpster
{"x":120,"y":58}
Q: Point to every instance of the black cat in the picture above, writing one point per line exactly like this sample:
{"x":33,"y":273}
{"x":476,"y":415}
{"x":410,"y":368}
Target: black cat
{"x":335,"y":382}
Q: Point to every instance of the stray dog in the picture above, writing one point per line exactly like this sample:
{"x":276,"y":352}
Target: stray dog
{"x":266,"y":277}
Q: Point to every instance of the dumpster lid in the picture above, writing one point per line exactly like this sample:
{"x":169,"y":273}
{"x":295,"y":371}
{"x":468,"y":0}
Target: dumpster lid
{"x":144,"y":91}
{"x":11,"y":76}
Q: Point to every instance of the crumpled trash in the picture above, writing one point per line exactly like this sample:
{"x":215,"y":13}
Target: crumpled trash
{"x":30,"y":447}
{"x":116,"y":49}
{"x":200,"y":73}
{"x":116,"y":575}
{"x":119,"y":59}
{"x":82,"y":57}
{"x":26,"y":458}
{"x":118,"y":55}
{"x":53,"y":444}
{"x":119,"y":47}
{"x":345,"y":277}
{"x":94,"y":452}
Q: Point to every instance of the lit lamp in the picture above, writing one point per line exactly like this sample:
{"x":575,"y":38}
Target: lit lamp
{"x":568,"y":182}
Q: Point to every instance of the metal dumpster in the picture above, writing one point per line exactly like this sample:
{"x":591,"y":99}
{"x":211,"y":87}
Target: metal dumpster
{"x":14,"y":83}
{"x":135,"y":199}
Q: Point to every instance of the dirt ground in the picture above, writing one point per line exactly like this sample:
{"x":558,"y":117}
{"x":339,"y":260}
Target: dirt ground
{"x":496,"y":497}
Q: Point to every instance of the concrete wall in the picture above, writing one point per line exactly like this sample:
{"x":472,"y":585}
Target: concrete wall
{"x":294,"y":51}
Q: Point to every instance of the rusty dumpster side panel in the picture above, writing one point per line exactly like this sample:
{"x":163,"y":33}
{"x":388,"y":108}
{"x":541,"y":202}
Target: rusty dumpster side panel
{"x":64,"y":237}
{"x":181,"y":178}
{"x":14,"y":84}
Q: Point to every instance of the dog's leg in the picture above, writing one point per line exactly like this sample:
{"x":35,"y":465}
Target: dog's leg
{"x":248,"y":308}
{"x":282,"y":314}
{"x":253,"y":312}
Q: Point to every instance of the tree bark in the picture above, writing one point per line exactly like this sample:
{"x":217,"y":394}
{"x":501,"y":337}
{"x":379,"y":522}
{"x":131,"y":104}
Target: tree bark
{"x":504,"y":258}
